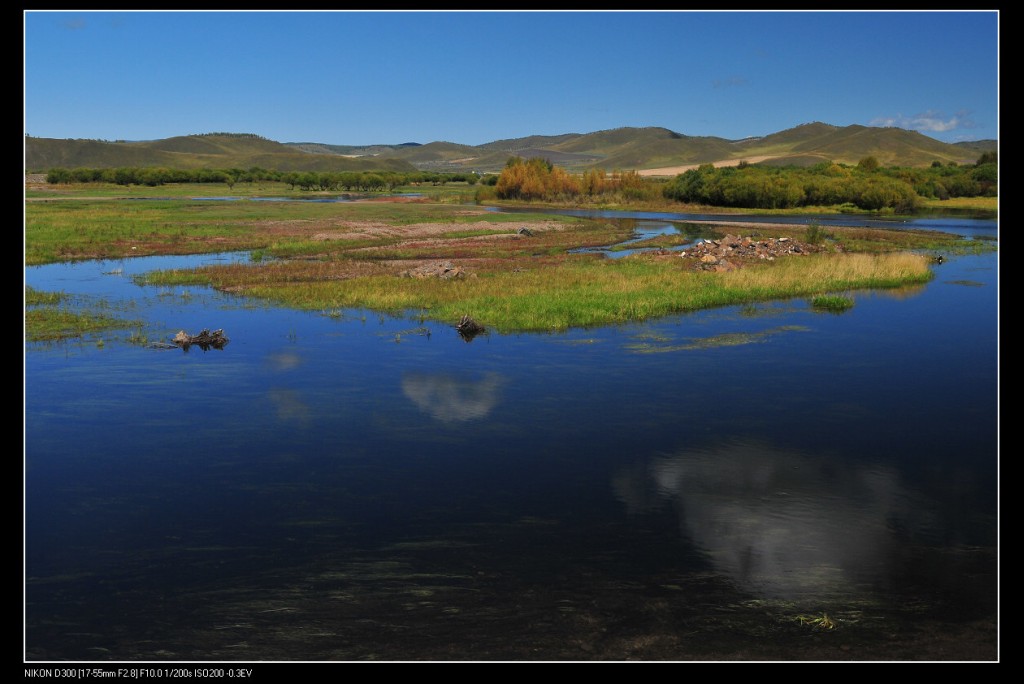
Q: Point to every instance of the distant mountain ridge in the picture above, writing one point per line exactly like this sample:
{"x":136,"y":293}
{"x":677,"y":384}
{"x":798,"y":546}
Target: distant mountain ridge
{"x":650,"y":149}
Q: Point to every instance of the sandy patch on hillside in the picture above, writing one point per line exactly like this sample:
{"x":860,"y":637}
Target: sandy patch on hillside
{"x":676,"y":170}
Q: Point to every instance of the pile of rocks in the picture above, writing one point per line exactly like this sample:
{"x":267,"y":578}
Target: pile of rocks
{"x":719,"y":255}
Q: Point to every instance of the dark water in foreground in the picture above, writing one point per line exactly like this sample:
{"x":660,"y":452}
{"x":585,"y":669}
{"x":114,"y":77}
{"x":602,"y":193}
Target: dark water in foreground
{"x":355,"y":487}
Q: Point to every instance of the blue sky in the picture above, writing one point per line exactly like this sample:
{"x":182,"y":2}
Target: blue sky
{"x":472,"y":77}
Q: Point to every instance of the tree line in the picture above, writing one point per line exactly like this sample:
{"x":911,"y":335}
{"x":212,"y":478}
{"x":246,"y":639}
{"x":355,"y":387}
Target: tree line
{"x":864,"y":186}
{"x":867,"y":185}
{"x":363,"y":181}
{"x":538,"y":179}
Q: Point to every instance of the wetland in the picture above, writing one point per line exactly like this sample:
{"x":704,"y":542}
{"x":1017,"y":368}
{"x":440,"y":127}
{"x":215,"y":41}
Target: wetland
{"x":639,"y":459}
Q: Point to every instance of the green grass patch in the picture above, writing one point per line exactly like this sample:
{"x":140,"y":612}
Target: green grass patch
{"x":980,"y":204}
{"x":70,"y":229}
{"x":52,"y":323}
{"x":34,"y":297}
{"x":833,"y":303}
{"x":565,"y":293}
{"x":49,"y":317}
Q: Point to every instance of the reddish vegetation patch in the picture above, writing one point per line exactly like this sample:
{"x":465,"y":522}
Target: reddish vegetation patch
{"x":397,"y":200}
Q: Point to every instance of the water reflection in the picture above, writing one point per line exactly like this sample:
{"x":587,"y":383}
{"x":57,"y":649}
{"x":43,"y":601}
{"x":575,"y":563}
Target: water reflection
{"x":789,"y":525}
{"x":452,"y":398}
{"x":899,"y":293}
{"x":290,"y":408}
{"x":284,"y":361}
{"x":641,"y":230}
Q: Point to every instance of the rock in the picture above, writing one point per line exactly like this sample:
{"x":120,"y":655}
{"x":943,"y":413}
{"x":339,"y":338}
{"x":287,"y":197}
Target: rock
{"x":712,"y":253}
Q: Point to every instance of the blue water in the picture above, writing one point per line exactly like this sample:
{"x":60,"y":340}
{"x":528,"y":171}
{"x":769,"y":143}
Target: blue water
{"x":344,"y":485}
{"x":965,"y":226}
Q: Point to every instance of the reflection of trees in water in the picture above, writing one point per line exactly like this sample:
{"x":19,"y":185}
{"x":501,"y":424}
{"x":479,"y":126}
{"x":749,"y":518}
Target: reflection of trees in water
{"x":787,"y":524}
{"x":452,"y":398}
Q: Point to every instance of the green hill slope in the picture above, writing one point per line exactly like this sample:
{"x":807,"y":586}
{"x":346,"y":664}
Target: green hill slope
{"x":214,"y":151}
{"x":614,"y":149}
{"x":891,"y":146}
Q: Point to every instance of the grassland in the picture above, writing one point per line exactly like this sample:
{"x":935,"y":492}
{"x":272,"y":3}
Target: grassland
{"x":327,"y":256}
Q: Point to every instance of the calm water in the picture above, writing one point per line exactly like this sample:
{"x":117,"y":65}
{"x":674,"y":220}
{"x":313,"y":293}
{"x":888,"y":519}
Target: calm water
{"x":355,"y":486}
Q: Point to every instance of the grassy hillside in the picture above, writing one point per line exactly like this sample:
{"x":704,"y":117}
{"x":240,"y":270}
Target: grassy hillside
{"x":614,"y":149}
{"x":979,"y":146}
{"x":515,"y":145}
{"x":654,"y":147}
{"x":783,"y":143}
{"x":348,"y":150}
{"x":435,"y":152}
{"x":217,"y":151}
{"x":891,"y":146}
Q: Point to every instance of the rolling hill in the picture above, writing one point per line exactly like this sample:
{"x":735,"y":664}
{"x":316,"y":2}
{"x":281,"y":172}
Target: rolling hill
{"x":653,"y":150}
{"x":979,"y":146}
{"x":214,"y":151}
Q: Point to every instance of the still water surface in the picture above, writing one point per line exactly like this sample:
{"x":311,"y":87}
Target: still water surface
{"x":355,"y":486}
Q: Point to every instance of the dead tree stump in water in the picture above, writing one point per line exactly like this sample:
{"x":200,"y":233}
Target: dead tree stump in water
{"x":468,"y":328}
{"x":204,"y":340}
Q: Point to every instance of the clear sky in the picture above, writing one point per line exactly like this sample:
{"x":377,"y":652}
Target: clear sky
{"x":356,"y":78}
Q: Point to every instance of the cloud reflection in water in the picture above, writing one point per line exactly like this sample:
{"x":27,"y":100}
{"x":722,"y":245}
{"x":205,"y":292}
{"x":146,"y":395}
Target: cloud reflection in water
{"x":784,"y":524}
{"x":452,"y":398}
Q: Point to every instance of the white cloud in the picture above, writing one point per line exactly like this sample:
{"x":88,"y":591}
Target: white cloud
{"x":929,"y":121}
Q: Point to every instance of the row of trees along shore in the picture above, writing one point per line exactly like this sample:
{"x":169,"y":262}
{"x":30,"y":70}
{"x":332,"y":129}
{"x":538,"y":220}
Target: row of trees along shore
{"x":363,"y":181}
{"x":867,"y":185}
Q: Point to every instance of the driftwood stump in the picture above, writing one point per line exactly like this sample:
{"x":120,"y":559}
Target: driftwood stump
{"x":468,"y":328}
{"x":204,"y":340}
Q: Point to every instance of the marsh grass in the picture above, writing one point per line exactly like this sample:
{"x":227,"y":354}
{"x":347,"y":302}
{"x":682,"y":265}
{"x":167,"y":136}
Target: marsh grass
{"x":832,"y":303}
{"x":856,"y":239}
{"x":814,"y":234}
{"x":68,"y":230}
{"x":986,"y":204}
{"x":519,"y":282}
{"x":52,"y":323}
{"x":48,"y":316}
{"x":565,"y":293}
{"x":34,"y":297}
